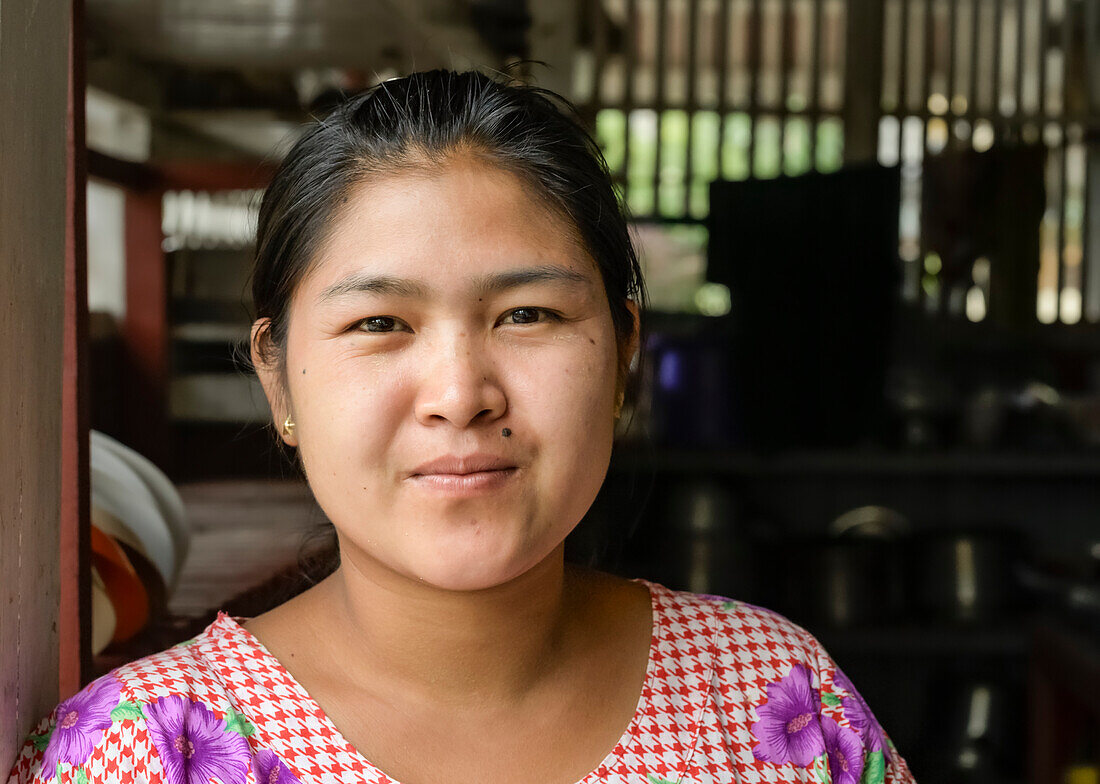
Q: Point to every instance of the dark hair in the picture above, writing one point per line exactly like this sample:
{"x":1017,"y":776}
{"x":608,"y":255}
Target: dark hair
{"x":422,"y":120}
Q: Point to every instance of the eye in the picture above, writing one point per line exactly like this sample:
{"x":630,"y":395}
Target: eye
{"x":382,"y":324}
{"x":529,"y":315}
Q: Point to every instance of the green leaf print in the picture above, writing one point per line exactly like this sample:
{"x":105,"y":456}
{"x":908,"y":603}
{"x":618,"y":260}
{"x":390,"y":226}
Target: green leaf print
{"x":821,"y":769}
{"x":729,"y":605}
{"x":830,"y":699}
{"x":239,"y":723}
{"x":40,"y":739}
{"x":656,"y":780}
{"x":81,"y":776}
{"x":185,"y":643}
{"x":127,"y":710}
{"x":874,"y":769}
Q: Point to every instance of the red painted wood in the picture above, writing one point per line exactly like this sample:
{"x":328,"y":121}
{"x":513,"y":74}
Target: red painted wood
{"x":74,"y":619}
{"x":145,"y":329}
{"x":195,"y":175}
{"x":129,"y":175}
{"x":215,"y":175}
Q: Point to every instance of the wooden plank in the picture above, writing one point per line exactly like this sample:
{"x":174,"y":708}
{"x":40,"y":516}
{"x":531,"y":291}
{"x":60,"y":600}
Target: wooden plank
{"x":786,"y":61}
{"x":1018,"y":86}
{"x":862,"y":103}
{"x":903,"y":66}
{"x":145,"y":330}
{"x":599,"y":54}
{"x":34,"y":58}
{"x":974,"y":61}
{"x":952,"y":60}
{"x":998,"y":56}
{"x":1044,"y":22}
{"x":129,"y":175}
{"x":630,"y":58}
{"x":180,"y":175}
{"x":815,"y":78}
{"x":74,"y":622}
{"x":659,"y":99}
{"x":723,"y":80}
{"x":756,"y":60}
{"x":928,"y":61}
{"x":692,"y":107}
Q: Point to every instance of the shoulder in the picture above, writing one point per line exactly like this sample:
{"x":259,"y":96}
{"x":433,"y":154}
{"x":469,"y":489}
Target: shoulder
{"x":115,"y":728}
{"x":741,"y":634}
{"x":774,"y":686}
{"x":744,"y":647}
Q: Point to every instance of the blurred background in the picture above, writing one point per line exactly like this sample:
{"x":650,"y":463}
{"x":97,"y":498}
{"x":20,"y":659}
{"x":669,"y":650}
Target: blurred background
{"x":869,"y":395}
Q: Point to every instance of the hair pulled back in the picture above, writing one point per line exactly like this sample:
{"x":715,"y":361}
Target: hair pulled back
{"x":418,"y":122}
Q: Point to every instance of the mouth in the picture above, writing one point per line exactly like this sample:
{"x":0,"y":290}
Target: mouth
{"x":471,"y":482}
{"x":464,"y":474}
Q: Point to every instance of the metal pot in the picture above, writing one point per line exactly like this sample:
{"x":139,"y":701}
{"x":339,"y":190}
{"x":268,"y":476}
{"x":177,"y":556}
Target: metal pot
{"x":842,"y":583}
{"x":701,"y":547}
{"x":965,"y":575}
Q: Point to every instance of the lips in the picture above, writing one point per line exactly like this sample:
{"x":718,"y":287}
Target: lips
{"x":464,"y":476}
{"x":455,"y":465}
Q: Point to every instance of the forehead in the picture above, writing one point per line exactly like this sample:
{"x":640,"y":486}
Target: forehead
{"x":448,"y":225}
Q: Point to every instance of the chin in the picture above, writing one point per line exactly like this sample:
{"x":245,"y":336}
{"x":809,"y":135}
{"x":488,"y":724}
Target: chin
{"x":475,"y":568}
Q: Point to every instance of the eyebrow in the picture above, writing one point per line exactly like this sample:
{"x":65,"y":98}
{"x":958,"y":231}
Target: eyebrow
{"x":414,"y":289}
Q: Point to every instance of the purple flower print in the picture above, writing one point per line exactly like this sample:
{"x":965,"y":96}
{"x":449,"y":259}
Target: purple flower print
{"x":844,"y":750}
{"x":788,"y":727}
{"x":195,"y":745}
{"x":81,"y":720}
{"x":859,"y":715}
{"x":272,"y":770}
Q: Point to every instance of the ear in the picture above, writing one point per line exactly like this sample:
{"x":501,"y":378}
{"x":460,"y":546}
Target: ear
{"x":635,"y":333}
{"x":626,"y":358}
{"x":271,"y":377}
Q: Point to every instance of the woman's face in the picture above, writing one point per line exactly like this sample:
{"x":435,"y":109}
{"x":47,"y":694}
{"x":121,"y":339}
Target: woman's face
{"x":447,"y":306}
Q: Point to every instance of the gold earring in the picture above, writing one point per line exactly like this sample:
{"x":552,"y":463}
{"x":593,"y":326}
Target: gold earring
{"x":288,"y":426}
{"x":619,"y":405}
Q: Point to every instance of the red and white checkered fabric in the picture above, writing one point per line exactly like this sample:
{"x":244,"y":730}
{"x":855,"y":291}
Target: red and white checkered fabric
{"x":710,"y":663}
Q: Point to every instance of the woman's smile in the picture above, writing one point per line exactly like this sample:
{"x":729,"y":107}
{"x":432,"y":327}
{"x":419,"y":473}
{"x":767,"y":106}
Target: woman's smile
{"x":468,"y":475}
{"x":468,"y":484}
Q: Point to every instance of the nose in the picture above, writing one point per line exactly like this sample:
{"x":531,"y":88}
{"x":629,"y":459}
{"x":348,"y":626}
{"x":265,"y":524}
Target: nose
{"x":459,"y":385}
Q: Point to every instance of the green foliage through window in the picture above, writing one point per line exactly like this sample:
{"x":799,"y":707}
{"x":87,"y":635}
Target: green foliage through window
{"x":697,"y":148}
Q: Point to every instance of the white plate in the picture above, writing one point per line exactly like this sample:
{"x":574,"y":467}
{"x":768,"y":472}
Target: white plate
{"x":104,"y":619}
{"x":164,"y":493}
{"x":117,"y":489}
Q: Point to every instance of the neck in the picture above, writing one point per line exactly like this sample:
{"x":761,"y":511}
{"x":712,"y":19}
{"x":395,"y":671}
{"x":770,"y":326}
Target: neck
{"x":493,"y":644}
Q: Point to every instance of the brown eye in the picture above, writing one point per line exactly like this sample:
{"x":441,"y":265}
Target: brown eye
{"x":380,"y":324}
{"x":525,"y":315}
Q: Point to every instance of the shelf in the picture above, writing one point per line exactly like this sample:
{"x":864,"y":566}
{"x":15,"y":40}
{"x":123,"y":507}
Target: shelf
{"x":217,"y":397}
{"x":864,"y":462}
{"x":211,"y":332}
{"x":927,"y":641}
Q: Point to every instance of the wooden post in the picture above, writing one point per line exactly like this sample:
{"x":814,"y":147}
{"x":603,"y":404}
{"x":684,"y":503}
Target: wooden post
{"x":74,"y":623}
{"x":34,"y":75}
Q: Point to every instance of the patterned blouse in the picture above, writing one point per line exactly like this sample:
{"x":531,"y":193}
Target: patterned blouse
{"x":732,"y":693}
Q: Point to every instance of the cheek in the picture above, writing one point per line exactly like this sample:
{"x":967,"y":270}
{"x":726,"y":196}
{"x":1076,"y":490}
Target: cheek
{"x":574,"y":389}
{"x":346,"y":405}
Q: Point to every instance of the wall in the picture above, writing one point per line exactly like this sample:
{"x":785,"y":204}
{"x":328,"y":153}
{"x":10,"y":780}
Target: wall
{"x":33,"y":83}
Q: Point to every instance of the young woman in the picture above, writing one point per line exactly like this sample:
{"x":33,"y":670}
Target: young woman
{"x":448,"y":304}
